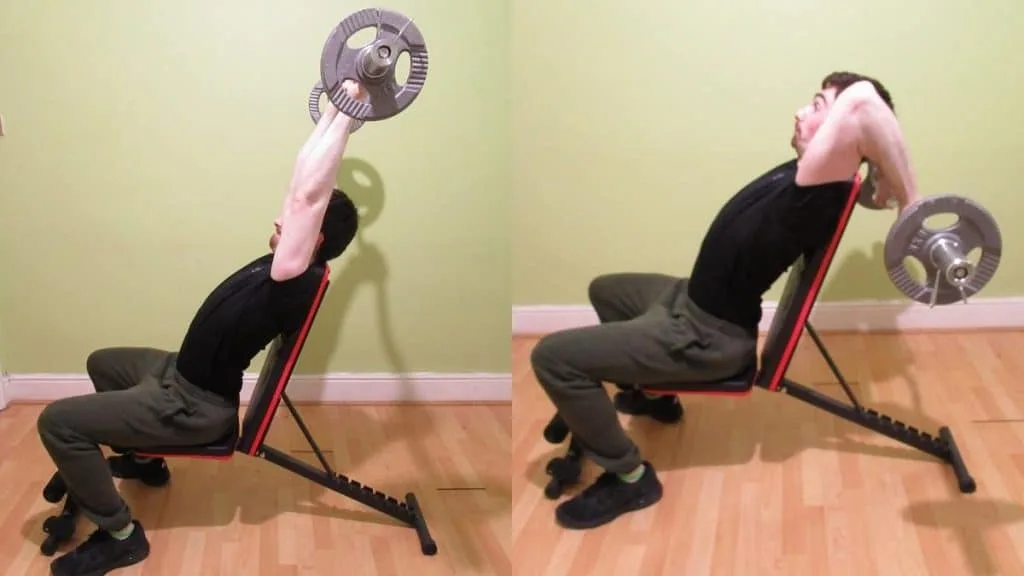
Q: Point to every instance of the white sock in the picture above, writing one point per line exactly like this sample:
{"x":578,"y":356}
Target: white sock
{"x":634,"y":476}
{"x":125,"y":532}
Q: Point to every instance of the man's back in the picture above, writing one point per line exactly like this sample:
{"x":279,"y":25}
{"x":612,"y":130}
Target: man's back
{"x":238,"y":320}
{"x":756,"y":237}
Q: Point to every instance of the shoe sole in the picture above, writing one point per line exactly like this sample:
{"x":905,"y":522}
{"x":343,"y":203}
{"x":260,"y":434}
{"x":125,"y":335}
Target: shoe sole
{"x":148,"y":482}
{"x":675,"y":418}
{"x":130,"y":561}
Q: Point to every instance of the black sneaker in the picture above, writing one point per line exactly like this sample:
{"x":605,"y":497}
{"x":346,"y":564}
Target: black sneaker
{"x":101,"y":553}
{"x":665,"y":409}
{"x":153,"y":472}
{"x":608,"y":498}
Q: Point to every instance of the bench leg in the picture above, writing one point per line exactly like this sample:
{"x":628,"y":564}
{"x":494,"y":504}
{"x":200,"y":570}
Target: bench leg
{"x":60,"y":529}
{"x":407,"y":512}
{"x":565,"y":470}
{"x":943,"y":446}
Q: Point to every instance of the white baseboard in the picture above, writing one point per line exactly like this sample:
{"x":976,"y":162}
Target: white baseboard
{"x":333,"y":388}
{"x":853,"y":316}
{"x":3,"y":389}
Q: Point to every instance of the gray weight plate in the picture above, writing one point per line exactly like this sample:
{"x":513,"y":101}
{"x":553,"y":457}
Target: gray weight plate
{"x":909,"y":236}
{"x":314,"y":108}
{"x":373,"y":65}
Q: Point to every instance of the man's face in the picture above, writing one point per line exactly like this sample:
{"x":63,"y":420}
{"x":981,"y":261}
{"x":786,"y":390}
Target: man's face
{"x":809,"y":118}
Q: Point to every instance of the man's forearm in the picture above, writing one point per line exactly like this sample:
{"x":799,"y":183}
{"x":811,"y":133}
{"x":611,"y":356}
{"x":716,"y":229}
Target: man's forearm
{"x":326,"y":118}
{"x":318,"y":173}
{"x":883,"y":144}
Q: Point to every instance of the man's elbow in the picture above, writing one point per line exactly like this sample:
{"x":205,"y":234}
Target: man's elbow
{"x":284,"y":269}
{"x":862,"y":97}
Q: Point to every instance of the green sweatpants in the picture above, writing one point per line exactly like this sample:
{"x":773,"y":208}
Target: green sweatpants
{"x":650,"y":334}
{"x":140,"y":401}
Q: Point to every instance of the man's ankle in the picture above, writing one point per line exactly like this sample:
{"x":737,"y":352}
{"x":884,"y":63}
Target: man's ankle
{"x":123,"y":533}
{"x":633,"y":476}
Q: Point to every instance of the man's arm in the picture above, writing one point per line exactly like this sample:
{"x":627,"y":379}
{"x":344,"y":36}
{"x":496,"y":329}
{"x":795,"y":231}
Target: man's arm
{"x":860,"y":125}
{"x":326,"y":119}
{"x":316,"y":173}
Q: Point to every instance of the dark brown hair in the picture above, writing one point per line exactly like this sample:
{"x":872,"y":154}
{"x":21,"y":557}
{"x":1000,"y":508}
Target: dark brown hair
{"x":341,"y":221}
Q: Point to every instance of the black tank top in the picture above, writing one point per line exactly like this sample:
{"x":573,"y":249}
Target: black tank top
{"x":757,"y":236}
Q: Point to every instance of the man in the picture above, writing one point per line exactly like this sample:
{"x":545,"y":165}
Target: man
{"x":147,"y":397}
{"x":657,"y":329}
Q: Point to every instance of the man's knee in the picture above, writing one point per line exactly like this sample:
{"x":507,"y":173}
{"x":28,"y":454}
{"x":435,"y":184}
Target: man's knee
{"x":97,"y":364}
{"x":559,"y":360}
{"x":544,"y":353}
{"x":52,"y":420}
{"x":602,"y":288}
{"x":550,"y":357}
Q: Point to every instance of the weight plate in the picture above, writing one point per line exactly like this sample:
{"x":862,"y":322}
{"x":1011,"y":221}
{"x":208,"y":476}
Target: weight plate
{"x":314,"y":108}
{"x":909,"y":236}
{"x":373,"y":65}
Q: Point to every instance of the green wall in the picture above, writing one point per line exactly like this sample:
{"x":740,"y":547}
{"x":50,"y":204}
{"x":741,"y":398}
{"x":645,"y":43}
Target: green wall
{"x":150,"y":146}
{"x":634,"y":124}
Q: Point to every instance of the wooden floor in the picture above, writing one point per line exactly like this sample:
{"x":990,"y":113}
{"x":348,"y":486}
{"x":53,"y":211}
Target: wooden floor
{"x":248,"y":516}
{"x":767,"y":485}
{"x":753,"y":487}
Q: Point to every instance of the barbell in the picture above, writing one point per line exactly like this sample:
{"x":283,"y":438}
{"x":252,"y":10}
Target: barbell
{"x":372,"y":65}
{"x":942,"y":251}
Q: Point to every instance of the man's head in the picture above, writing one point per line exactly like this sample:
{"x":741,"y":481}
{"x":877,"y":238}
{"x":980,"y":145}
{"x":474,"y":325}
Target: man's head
{"x":341,"y":221}
{"x":810,"y":117}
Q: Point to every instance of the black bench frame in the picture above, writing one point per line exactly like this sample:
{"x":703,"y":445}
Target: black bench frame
{"x":791,"y":319}
{"x":282,"y":356}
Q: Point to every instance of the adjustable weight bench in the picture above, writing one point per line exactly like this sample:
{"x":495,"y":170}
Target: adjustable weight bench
{"x":282,"y":356}
{"x":802,"y":287}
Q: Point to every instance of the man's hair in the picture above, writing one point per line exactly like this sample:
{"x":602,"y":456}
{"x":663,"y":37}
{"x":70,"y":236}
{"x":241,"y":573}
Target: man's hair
{"x":843,"y":80}
{"x":341,"y":221}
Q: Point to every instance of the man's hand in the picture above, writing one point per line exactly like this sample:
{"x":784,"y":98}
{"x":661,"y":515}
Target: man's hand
{"x":884,"y":196}
{"x":355,"y":91}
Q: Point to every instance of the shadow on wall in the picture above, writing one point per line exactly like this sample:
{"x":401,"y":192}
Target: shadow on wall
{"x":364,"y":265}
{"x":849,"y":279}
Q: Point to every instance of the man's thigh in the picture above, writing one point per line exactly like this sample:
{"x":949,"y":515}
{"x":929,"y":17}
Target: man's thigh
{"x":647,"y":351}
{"x":623,"y":296}
{"x":148,"y":415}
{"x":119,"y":368}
